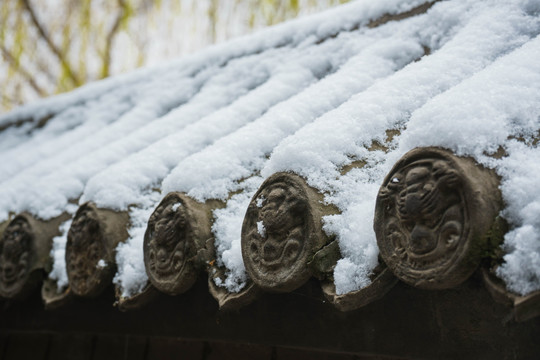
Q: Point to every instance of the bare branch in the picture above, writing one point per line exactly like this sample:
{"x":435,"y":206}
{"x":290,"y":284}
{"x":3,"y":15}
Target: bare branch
{"x":55,"y":50}
{"x":45,"y":70}
{"x":10,"y":100}
{"x":23,"y":72}
{"x":212,"y":15}
{"x":110,"y":37}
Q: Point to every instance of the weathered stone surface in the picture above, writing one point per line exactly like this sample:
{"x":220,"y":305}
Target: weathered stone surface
{"x":381,"y":282}
{"x":227,"y":300}
{"x":527,"y":307}
{"x":137,"y":301}
{"x":3,"y":226}
{"x":54,"y":298}
{"x":90,"y":249}
{"x":24,"y":253}
{"x":230,"y":301}
{"x":324,"y":261}
{"x":433,"y":217}
{"x":16,"y":254}
{"x":523,"y":307}
{"x":176,"y":231}
{"x":459,"y":323}
{"x":281,"y":233}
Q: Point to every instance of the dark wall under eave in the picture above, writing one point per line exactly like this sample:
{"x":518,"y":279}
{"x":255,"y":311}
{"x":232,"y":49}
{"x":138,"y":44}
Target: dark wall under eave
{"x":463,"y":322}
{"x":32,"y":346}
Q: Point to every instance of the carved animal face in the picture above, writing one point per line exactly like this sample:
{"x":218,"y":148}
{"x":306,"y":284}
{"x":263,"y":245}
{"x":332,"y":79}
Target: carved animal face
{"x":84,"y":250}
{"x":15,"y":254}
{"x":426,"y":218}
{"x":281,"y":216}
{"x":168,"y":244}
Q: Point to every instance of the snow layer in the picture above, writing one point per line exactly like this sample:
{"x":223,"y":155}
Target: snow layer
{"x":131,"y":277}
{"x":58,"y":252}
{"x":58,"y":255}
{"x":244,"y":152}
{"x":486,"y":33}
{"x":310,"y":96}
{"x":521,"y":174}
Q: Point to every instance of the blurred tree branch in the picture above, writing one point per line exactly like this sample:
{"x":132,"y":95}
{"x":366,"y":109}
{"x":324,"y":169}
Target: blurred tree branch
{"x":122,"y":14}
{"x":24,"y":73}
{"x":55,"y":50}
{"x":54,"y":46}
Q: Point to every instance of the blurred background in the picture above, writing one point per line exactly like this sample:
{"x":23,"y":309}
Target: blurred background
{"x":53,"y":46}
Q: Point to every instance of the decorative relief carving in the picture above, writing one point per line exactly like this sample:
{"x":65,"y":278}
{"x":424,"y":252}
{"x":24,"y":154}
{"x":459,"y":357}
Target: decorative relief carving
{"x":87,"y":260}
{"x":278,"y":238}
{"x":167,"y":249}
{"x":15,"y":256}
{"x":176,"y":230}
{"x":424,"y":213}
{"x":281,"y":232}
{"x":427,"y":223}
{"x":25,"y":247}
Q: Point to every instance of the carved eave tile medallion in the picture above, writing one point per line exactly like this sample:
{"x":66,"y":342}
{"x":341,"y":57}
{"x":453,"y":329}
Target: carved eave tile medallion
{"x":25,"y":246}
{"x":16,"y":257}
{"x":91,"y":243}
{"x":281,"y":233}
{"x":433,"y":217}
{"x":176,"y":231}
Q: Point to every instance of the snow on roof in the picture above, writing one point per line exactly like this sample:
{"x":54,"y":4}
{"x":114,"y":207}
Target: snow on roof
{"x":309,"y":96}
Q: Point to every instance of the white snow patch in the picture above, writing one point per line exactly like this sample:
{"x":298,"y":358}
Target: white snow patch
{"x":131,"y":276}
{"x":260,"y":228}
{"x":58,"y":255}
{"x":227,"y":229}
{"x":520,"y":187}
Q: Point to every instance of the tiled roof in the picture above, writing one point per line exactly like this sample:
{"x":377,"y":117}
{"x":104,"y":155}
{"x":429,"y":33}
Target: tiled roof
{"x":325,"y":160}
